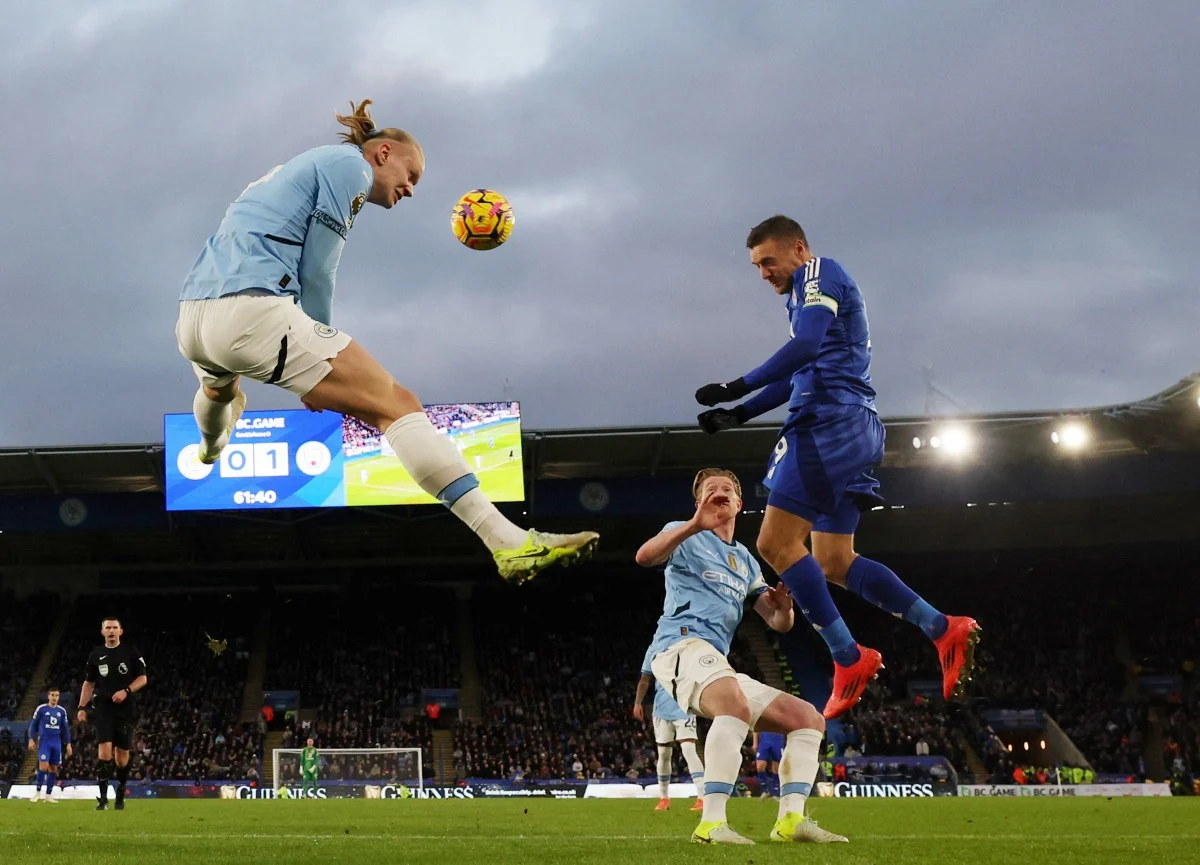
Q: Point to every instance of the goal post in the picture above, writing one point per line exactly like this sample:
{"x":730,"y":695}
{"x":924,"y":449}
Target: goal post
{"x":347,"y":772}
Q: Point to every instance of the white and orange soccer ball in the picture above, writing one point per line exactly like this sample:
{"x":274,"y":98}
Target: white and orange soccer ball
{"x":482,"y":219}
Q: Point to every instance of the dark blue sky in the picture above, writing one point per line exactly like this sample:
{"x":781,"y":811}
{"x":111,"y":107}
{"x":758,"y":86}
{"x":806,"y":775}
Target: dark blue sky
{"x":1015,"y":188}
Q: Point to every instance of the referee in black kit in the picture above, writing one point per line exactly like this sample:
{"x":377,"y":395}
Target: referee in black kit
{"x":116,"y":671}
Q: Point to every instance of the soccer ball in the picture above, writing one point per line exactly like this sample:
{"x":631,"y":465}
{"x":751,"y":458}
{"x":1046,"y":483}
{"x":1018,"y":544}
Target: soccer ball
{"x":482,"y":219}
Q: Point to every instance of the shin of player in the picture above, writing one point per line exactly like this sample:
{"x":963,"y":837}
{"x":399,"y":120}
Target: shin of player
{"x":50,"y":739}
{"x":709,"y":578}
{"x":258,"y":302}
{"x":115,"y":672}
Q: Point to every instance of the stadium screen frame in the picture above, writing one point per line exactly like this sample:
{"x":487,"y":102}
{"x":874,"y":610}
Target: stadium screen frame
{"x":294,"y":458}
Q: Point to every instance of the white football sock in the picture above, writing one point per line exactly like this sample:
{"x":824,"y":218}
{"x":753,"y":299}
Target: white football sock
{"x":723,"y":751}
{"x":695,"y":765}
{"x":436,"y":465}
{"x":212,"y":417}
{"x":798,"y":769}
{"x":664,"y":771}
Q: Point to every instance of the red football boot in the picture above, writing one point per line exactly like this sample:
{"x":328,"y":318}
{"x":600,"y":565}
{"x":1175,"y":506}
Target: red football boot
{"x":956,"y":650}
{"x":698,"y":805}
{"x":663,"y":805}
{"x":850,"y":682}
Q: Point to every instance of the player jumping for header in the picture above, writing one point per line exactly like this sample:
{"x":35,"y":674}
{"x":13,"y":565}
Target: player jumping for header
{"x":819,"y":475}
{"x":258,"y":302}
{"x":709,"y":578}
{"x":49,"y":738}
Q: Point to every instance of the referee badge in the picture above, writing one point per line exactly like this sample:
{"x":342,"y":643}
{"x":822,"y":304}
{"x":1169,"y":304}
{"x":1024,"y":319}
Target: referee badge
{"x":103,"y":669}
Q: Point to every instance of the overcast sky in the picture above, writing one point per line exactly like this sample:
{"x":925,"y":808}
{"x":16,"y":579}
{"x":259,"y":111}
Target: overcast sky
{"x":1015,"y":186}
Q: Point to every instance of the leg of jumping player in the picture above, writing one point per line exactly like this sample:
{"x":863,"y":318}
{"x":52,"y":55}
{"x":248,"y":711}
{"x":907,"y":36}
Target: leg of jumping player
{"x":955,"y":637}
{"x":781,"y":542}
{"x":359,"y":386}
{"x":217,"y":409}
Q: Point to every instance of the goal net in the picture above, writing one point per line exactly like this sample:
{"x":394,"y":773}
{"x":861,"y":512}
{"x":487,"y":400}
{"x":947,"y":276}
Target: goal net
{"x":350,"y":773}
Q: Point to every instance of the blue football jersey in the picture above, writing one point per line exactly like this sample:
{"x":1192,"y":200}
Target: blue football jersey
{"x":50,"y":724}
{"x":260,"y":241}
{"x":665,"y":706}
{"x":708,"y":583}
{"x":841,"y":371}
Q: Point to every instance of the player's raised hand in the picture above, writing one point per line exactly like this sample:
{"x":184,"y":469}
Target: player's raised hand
{"x":716,"y":419}
{"x":779,"y":597}
{"x":713,"y":394}
{"x":712,"y":511}
{"x":639,"y":712}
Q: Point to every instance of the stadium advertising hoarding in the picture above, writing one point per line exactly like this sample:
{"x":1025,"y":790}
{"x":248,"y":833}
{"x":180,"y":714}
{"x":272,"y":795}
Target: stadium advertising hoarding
{"x":303,"y":459}
{"x":850,"y":790}
{"x":1051,"y":790}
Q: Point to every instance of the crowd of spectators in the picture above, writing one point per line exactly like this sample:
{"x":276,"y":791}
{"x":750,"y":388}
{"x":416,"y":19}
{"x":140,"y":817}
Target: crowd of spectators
{"x":363,"y":659}
{"x":361,"y":438}
{"x":1181,"y":735}
{"x":25,"y":624}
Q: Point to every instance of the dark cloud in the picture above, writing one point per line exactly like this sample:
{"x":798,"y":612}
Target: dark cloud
{"x":1013,"y":186}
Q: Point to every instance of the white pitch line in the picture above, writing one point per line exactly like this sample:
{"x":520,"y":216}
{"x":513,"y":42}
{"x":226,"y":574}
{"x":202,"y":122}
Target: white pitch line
{"x":262,"y":836}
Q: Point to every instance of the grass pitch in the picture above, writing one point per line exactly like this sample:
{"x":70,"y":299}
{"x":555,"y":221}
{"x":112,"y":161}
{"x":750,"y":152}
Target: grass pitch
{"x":493,"y":454}
{"x":581,"y":832}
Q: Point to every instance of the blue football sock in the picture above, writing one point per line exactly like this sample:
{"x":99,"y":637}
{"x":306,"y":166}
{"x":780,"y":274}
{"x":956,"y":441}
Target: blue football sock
{"x":774,"y":782}
{"x":806,"y":581}
{"x":879,"y":585}
{"x":38,"y":778}
{"x":51,"y":780}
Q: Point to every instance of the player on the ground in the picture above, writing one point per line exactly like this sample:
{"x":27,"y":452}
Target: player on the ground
{"x":115,"y":672}
{"x":709,"y":578}
{"x":671,"y":725}
{"x":820,"y":473}
{"x":768,"y":752}
{"x":309,"y":763}
{"x":258,"y":303}
{"x":49,"y":738}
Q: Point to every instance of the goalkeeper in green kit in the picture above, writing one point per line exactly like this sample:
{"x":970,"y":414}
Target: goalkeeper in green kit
{"x":308,"y":769}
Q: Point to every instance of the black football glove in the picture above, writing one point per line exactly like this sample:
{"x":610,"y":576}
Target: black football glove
{"x":716,"y":419}
{"x":730,"y":391}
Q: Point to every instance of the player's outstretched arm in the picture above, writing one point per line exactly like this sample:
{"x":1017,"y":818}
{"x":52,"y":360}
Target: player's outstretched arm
{"x":776,"y":608}
{"x":659,"y":548}
{"x":797,"y":353}
{"x":771,"y":397}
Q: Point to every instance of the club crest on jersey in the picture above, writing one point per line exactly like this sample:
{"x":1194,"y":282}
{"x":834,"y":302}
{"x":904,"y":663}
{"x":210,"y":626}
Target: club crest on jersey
{"x":122,"y":668}
{"x":355,"y":207}
{"x":325,"y":331}
{"x":103,"y":669}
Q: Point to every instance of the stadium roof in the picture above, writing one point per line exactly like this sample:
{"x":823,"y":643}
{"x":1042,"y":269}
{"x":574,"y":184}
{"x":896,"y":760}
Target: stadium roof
{"x":1167,"y":421}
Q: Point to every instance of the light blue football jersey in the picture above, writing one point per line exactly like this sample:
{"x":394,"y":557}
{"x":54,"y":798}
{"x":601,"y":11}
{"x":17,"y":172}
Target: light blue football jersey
{"x":260,"y":242}
{"x":665,"y":706}
{"x":708,"y":584}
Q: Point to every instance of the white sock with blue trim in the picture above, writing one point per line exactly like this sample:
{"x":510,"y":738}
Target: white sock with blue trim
{"x":798,"y":769}
{"x":436,"y":465}
{"x":664,"y":771}
{"x":723,"y":750}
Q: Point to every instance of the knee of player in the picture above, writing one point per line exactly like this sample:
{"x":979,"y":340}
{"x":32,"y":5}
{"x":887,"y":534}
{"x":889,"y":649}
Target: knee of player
{"x":801,"y":715}
{"x":835,"y":565}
